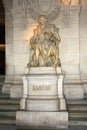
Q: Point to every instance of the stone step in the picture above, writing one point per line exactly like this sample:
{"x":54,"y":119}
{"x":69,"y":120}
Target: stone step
{"x":0,"y":91}
{"x":7,"y":114}
{"x":77,"y":102}
{"x":78,"y":115}
{"x":78,"y":123}
{"x":78,"y":118}
{"x":4,"y":96}
{"x":7,"y":121}
{"x":85,"y":96}
{"x":4,"y":107}
{"x":77,"y":108}
{"x":77,"y":111}
{"x":10,"y":101}
{"x":8,"y":117}
{"x":1,"y":85}
{"x":8,"y":107}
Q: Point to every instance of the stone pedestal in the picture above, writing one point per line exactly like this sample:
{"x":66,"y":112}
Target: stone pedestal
{"x":43,"y":98}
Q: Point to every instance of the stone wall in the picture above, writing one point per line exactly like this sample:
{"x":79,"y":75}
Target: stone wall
{"x":83,"y":46}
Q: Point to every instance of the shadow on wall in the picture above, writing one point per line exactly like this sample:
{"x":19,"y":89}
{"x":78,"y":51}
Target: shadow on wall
{"x":2,"y":49}
{"x":2,"y":60}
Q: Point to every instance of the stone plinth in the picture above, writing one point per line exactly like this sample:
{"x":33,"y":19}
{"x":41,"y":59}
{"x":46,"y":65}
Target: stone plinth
{"x":43,"y":95}
{"x":42,"y":119}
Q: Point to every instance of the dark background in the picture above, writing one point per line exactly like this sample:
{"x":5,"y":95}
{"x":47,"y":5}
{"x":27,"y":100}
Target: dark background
{"x":2,"y":39}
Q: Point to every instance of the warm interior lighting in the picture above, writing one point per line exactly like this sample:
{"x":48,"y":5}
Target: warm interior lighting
{"x":66,"y":2}
{"x":84,"y":3}
{"x":2,"y":47}
{"x":29,"y":33}
{"x":70,"y":2}
{"x":74,"y":2}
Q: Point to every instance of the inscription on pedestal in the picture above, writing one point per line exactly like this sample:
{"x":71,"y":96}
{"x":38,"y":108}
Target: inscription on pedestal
{"x":41,"y":87}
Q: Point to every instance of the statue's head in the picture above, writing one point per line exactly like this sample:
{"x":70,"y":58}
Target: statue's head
{"x":42,"y":19}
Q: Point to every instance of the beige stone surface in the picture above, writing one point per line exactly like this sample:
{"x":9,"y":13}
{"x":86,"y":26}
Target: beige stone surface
{"x":74,"y":91}
{"x":16,"y":91}
{"x":44,"y":70}
{"x":43,"y":104}
{"x":46,"y":119}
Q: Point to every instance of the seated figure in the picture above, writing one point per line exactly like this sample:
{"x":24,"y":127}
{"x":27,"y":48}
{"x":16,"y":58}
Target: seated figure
{"x":44,"y":45}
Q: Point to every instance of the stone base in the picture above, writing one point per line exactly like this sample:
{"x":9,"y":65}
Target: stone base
{"x":41,"y":89}
{"x":42,"y":119}
{"x":42,"y":105}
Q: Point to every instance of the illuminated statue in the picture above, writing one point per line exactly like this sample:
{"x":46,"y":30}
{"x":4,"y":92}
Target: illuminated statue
{"x":66,"y":2}
{"x":44,"y":44}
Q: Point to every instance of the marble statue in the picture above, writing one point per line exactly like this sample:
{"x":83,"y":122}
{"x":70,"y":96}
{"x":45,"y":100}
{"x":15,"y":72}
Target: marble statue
{"x":44,"y":44}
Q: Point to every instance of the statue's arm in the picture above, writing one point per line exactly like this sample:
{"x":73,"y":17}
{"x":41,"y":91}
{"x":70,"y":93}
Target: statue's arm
{"x":56,"y":34}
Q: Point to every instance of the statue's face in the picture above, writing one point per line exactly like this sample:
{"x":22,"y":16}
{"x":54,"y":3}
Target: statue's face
{"x":42,"y":20}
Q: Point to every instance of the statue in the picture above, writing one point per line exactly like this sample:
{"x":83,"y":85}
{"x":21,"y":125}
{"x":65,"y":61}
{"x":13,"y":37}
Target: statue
{"x":66,"y":2}
{"x":44,"y":45}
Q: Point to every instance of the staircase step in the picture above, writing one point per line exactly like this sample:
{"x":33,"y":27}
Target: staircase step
{"x":7,"y":114}
{"x":9,"y":107}
{"x":7,"y":121}
{"x":77,"y":108}
{"x":8,"y":117}
{"x":82,"y":110}
{"x":78,"y":118}
{"x":85,"y":96}
{"x":4,"y":96}
{"x":77,"y":111}
{"x":78,"y":123}
{"x":10,"y":101}
{"x":2,"y":77}
{"x":78,"y":115}
{"x":77,"y":102}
